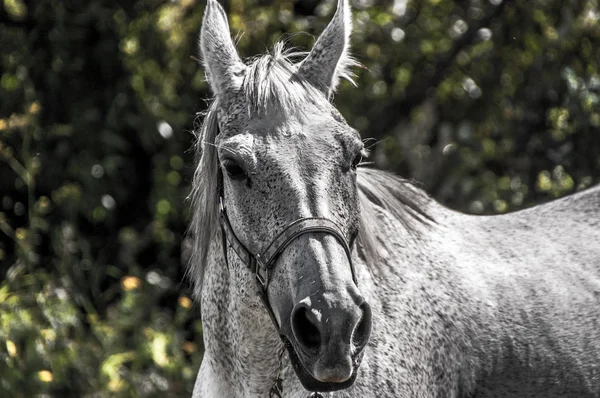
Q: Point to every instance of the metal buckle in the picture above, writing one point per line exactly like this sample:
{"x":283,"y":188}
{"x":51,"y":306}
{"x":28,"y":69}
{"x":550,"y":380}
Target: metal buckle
{"x":262,"y":280}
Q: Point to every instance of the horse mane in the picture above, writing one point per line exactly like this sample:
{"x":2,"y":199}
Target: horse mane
{"x":272,"y":81}
{"x":401,"y":198}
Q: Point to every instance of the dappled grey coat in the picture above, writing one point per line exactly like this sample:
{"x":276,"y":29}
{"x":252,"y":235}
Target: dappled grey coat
{"x":462,"y":306}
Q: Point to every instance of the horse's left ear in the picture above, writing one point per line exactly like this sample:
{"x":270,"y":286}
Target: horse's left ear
{"x":329,"y":59}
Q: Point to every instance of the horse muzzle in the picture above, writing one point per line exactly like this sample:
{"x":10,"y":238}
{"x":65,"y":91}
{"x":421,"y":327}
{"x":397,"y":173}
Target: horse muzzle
{"x":327,"y":342}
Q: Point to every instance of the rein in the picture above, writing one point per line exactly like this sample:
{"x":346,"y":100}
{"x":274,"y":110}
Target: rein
{"x":262,"y":265}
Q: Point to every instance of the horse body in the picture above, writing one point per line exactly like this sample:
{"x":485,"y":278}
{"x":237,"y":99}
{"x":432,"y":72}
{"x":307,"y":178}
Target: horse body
{"x":493,"y":306}
{"x":460,"y":305}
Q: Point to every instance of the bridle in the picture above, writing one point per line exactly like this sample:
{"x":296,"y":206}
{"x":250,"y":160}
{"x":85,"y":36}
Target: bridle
{"x":262,"y":265}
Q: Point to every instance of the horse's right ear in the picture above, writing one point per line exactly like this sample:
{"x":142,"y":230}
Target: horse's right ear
{"x":223,"y":66}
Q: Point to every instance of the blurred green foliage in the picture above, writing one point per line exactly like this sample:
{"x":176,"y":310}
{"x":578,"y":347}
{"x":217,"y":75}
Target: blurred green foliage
{"x":493,"y":105}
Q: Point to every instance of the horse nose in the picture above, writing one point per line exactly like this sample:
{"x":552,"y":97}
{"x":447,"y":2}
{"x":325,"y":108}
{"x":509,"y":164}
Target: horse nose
{"x":306,"y":326}
{"x":334,"y":334}
{"x":362,"y":330}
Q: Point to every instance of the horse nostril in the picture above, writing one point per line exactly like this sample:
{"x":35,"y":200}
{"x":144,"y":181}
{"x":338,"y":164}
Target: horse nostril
{"x":305,"y":329}
{"x":362,"y":331}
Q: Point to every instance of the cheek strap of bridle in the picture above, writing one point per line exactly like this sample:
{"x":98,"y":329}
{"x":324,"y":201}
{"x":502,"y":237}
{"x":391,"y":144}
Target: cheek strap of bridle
{"x":261,"y":265}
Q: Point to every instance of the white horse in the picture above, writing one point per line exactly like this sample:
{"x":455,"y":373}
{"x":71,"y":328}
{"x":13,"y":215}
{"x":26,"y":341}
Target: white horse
{"x":318,"y":278}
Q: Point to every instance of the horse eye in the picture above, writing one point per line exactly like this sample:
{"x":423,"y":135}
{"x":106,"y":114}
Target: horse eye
{"x":234,"y":170}
{"x":357,"y":161}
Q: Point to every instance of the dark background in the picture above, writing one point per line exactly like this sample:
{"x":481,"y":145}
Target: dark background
{"x":492,"y":105}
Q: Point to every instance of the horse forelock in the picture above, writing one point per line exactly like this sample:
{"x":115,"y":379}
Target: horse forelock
{"x":272,"y":83}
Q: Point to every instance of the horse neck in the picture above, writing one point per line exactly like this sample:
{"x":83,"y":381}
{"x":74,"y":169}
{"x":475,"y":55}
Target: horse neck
{"x":241,"y":342}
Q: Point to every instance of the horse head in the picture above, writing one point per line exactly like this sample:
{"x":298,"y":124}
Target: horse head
{"x":286,"y":161}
